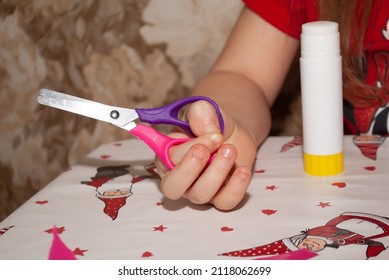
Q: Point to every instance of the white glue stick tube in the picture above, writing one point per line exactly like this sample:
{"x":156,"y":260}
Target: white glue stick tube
{"x":321,"y":91}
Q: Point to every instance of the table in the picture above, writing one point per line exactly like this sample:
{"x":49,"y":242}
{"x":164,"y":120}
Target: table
{"x":109,"y":206}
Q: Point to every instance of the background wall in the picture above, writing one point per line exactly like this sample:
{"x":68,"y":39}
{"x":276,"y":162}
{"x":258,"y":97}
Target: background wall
{"x":122,"y":52}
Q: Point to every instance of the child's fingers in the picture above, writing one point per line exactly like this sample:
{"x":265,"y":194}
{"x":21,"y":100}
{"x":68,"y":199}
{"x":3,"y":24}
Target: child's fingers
{"x":234,"y":190}
{"x":177,"y":181}
{"x":211,"y":141}
{"x":177,"y":153}
{"x":214,"y":176}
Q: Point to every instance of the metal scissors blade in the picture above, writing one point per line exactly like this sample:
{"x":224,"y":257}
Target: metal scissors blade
{"x":121,"y":117}
{"x":125,"y":118}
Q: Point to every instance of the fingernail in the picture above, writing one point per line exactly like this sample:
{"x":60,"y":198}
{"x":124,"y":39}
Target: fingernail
{"x":227,"y":152}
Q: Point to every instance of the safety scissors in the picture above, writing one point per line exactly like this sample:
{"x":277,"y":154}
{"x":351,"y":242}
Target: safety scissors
{"x":125,"y":118}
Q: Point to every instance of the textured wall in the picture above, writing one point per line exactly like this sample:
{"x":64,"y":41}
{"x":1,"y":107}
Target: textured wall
{"x":121,"y":52}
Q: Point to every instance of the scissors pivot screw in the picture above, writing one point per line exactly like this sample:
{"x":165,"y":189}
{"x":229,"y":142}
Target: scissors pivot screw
{"x":114,"y":114}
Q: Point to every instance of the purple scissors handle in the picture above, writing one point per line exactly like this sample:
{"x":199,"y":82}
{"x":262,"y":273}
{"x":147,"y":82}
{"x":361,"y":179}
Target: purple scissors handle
{"x":168,"y":114}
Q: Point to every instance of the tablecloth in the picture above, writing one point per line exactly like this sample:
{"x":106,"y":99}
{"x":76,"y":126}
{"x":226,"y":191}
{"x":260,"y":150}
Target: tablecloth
{"x":109,"y":206}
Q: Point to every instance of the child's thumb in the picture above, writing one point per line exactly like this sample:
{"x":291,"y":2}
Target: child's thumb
{"x":203,"y":119}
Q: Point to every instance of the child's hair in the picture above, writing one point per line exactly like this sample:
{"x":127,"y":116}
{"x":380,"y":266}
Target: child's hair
{"x":353,"y":19}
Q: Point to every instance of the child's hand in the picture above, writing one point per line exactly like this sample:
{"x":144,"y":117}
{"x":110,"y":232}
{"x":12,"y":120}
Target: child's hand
{"x":223,"y":180}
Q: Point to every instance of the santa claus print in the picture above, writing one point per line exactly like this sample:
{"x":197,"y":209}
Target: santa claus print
{"x":4,"y":230}
{"x":369,"y":144}
{"x":352,"y":228}
{"x":113,"y":199}
{"x":296,"y":141}
{"x":114,"y":184}
{"x":113,"y":187}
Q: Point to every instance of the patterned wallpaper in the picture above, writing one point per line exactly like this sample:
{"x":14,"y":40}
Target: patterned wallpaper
{"x":121,"y":52}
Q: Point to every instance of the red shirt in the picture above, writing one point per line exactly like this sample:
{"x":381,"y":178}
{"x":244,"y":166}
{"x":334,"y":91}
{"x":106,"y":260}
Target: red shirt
{"x":289,"y":15}
{"x":286,"y":15}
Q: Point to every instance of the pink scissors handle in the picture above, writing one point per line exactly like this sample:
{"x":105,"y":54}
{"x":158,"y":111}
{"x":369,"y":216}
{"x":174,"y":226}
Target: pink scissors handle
{"x":158,"y":142}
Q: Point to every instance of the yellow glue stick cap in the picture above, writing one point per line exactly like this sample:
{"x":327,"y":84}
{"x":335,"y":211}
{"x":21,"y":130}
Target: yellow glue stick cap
{"x":323,"y":165}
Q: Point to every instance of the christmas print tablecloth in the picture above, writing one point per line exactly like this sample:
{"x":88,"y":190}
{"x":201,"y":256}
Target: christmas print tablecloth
{"x":109,"y":206}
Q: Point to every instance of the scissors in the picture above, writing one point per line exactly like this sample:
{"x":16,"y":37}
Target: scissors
{"x":125,"y":118}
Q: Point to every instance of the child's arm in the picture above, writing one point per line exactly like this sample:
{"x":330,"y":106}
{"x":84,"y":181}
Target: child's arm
{"x":244,"y":82}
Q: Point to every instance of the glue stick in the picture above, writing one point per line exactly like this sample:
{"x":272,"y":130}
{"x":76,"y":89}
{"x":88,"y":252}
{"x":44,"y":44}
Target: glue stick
{"x":321,"y":92}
